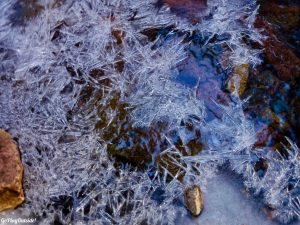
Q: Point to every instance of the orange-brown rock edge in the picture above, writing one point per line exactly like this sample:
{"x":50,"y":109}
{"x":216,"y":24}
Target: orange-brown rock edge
{"x":239,"y":79}
{"x":11,"y":173}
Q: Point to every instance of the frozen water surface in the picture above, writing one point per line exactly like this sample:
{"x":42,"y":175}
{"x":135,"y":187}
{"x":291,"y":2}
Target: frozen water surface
{"x":227,"y":202}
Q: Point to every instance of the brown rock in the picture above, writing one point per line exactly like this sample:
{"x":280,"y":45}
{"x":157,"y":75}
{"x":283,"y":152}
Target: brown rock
{"x":11,"y":173}
{"x":239,"y":79}
{"x":277,"y":53}
{"x":194,"y":200}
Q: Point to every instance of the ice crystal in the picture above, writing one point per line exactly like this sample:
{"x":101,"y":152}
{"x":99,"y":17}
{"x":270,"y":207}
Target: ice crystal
{"x":281,"y":184}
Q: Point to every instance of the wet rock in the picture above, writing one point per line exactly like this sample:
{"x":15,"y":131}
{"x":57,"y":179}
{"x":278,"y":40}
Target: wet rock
{"x":283,"y":15}
{"x":284,"y":60}
{"x":25,"y":10}
{"x":239,"y":78}
{"x":194,"y":200}
{"x":211,"y":90}
{"x":194,"y":10}
{"x":66,"y":139}
{"x":283,"y":19}
{"x":273,"y":107}
{"x":172,"y":165}
{"x":11,"y":173}
{"x":263,"y":136}
{"x":261,"y":167}
{"x":186,"y":3}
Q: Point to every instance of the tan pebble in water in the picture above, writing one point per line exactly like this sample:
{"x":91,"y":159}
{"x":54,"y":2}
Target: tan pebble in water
{"x":239,"y":79}
{"x":194,"y":200}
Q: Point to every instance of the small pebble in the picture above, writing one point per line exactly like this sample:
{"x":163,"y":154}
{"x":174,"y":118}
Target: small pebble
{"x":194,"y":200}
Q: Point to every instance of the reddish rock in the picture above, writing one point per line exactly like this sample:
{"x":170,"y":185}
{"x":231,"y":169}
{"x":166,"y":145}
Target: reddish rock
{"x":192,"y":9}
{"x":286,"y":16}
{"x":186,"y":3}
{"x":278,"y":54}
{"x":263,"y":136}
{"x":11,"y":173}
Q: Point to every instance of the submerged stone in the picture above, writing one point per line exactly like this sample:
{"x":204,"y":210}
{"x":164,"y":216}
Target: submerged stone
{"x":194,"y":10}
{"x":238,"y":81}
{"x":194,"y":200}
{"x":278,"y":53}
{"x":11,"y":173}
{"x":25,"y":11}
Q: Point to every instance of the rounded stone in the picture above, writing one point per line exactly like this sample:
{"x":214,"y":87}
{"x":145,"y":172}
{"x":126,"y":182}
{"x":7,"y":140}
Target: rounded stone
{"x":11,"y":173}
{"x":194,"y":200}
